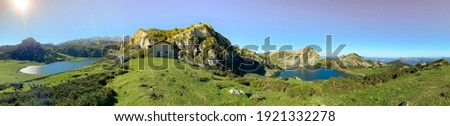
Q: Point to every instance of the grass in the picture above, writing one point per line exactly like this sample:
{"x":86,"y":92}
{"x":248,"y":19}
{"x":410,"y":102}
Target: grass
{"x":9,"y":71}
{"x":170,"y":85}
{"x":368,"y":71}
{"x":422,"y":88}
{"x":175,"y":87}
{"x":187,"y":87}
{"x":14,"y":75}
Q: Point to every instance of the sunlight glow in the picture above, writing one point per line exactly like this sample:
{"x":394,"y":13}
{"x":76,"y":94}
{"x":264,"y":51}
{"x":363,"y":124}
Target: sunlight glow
{"x":21,"y":4}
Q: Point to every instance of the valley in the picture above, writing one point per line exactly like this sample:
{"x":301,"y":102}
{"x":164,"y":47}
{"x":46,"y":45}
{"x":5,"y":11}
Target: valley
{"x":210,"y":71}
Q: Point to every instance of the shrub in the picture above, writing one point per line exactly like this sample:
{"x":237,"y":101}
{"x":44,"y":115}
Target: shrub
{"x":284,"y":78}
{"x":83,"y":91}
{"x":303,"y":91}
{"x":267,"y":84}
{"x":3,"y":87}
{"x":244,"y":81}
{"x":204,"y":79}
{"x":16,"y":86}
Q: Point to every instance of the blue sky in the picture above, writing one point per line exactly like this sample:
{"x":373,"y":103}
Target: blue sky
{"x":381,"y":28}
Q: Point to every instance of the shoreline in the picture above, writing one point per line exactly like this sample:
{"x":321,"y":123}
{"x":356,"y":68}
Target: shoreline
{"x":31,"y":69}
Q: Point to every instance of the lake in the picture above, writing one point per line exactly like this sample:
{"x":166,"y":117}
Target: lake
{"x":312,"y":75}
{"x":56,"y":67}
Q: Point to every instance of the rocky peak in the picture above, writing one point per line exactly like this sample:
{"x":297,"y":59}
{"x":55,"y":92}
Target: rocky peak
{"x":30,"y":44}
{"x":355,"y":60}
{"x":29,"y":40}
{"x":201,"y":45}
{"x":295,"y":59}
{"x":353,"y":56}
{"x":29,"y":49}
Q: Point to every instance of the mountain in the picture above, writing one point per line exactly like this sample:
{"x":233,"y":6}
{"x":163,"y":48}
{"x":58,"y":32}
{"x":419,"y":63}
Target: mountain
{"x":407,"y":60}
{"x":417,"y":60}
{"x":398,"y":63}
{"x":5,"y":51}
{"x":353,"y":60}
{"x":308,"y":57}
{"x":31,"y":50}
{"x":90,"y":47}
{"x":294,"y":59}
{"x":200,"y":45}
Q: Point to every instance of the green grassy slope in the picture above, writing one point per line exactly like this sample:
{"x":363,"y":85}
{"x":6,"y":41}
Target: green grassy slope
{"x":13,"y":75}
{"x":175,"y":87}
{"x":194,"y":86}
{"x":9,"y":71}
{"x":422,"y":88}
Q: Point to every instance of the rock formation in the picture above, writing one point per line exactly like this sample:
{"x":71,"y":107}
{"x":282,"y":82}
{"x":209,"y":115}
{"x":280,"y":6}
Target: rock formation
{"x":202,"y":46}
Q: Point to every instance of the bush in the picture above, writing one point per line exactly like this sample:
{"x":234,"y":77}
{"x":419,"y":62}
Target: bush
{"x":83,"y":91}
{"x":3,"y":87}
{"x":16,"y":86}
{"x":244,"y":81}
{"x":204,"y":79}
{"x":303,"y":91}
{"x":284,"y":78}
{"x":267,"y":84}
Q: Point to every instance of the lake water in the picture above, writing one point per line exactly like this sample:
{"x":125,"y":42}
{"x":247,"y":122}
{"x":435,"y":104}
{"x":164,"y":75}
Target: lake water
{"x":56,"y":67}
{"x":312,"y":75}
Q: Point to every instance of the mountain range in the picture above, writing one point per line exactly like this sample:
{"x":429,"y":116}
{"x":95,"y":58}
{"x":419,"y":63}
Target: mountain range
{"x":408,"y":60}
{"x":30,"y":49}
{"x":200,"y":45}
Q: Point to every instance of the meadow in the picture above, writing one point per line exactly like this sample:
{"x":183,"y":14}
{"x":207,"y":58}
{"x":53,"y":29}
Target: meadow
{"x":9,"y":71}
{"x":174,"y":83}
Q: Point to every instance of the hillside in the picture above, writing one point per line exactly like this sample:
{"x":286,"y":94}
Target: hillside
{"x":294,"y":59}
{"x":308,"y":57}
{"x":89,"y":47}
{"x":353,"y":60}
{"x":193,"y":86}
{"x":31,"y":50}
{"x":398,"y":63}
{"x":201,"y":45}
{"x":234,"y":78}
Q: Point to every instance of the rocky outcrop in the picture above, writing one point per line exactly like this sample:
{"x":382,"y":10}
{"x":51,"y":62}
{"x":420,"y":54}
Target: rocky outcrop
{"x":29,"y":49}
{"x":353,"y":60}
{"x":308,"y":57}
{"x":270,"y":68}
{"x":236,"y":92}
{"x":202,"y":46}
{"x":295,"y":59}
{"x":140,"y":38}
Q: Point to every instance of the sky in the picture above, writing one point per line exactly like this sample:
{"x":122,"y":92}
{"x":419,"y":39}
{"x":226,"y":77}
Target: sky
{"x":372,"y":28}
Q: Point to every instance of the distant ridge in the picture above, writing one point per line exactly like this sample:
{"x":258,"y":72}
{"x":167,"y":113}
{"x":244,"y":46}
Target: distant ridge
{"x":398,"y":63}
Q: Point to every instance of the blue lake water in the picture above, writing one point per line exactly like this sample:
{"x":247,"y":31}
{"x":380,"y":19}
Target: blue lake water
{"x":56,"y":67}
{"x":312,"y":75}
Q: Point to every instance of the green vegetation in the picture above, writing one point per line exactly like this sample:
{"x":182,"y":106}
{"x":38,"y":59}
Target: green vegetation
{"x":171,"y":82}
{"x":367,"y":71}
{"x":9,"y":71}
{"x":31,"y":50}
{"x":202,"y":87}
{"x":91,"y":47}
{"x":14,"y":76}
{"x":83,"y":91}
{"x":194,"y":80}
{"x":420,"y":88}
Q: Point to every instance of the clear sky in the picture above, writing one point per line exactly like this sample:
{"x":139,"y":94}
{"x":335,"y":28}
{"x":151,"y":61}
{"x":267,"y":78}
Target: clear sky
{"x":379,"y":28}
